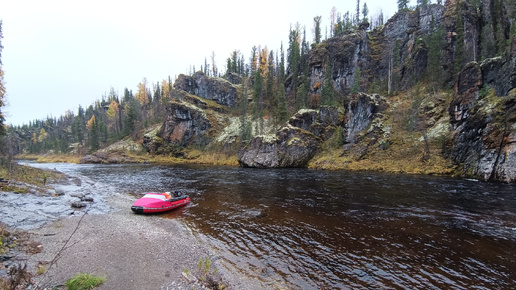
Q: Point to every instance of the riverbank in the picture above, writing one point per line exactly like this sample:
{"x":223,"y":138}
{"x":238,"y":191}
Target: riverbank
{"x":131,"y":251}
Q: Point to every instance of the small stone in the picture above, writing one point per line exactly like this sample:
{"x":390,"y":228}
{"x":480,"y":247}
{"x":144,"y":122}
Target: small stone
{"x":78,"y":204}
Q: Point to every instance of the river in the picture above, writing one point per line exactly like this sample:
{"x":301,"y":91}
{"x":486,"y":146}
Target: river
{"x":309,"y":229}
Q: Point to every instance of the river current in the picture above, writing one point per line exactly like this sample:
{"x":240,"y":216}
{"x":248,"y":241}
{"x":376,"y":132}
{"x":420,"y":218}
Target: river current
{"x":311,"y":229}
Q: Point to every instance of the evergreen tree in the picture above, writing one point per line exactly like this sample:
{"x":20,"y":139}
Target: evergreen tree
{"x":245,"y":129}
{"x":281,"y":73}
{"x":328,"y":91}
{"x":258,"y":101}
{"x":402,"y":5}
{"x":365,"y":12}
{"x":357,"y":15}
{"x":282,"y":104}
{"x":93,"y":133}
{"x":317,"y":29}
{"x":294,"y":60}
{"x":435,"y":44}
{"x":79,"y":126}
{"x":460,"y":48}
{"x":269,"y":87}
{"x":357,"y":77}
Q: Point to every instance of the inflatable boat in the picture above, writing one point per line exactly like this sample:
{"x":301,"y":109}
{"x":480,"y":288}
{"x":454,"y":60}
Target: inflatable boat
{"x":153,"y":202}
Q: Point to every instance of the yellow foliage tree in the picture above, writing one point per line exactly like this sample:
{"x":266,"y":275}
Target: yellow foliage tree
{"x":165,"y":89}
{"x":89,"y":124}
{"x":112,"y":112}
{"x":42,"y":135}
{"x":263,"y":62}
{"x":142,"y":95}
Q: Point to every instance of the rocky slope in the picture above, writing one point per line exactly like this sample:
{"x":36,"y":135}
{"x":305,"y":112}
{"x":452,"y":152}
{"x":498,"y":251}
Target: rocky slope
{"x":469,"y":118}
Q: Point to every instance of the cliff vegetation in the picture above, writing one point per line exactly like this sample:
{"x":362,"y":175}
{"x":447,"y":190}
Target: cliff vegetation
{"x":431,"y":90}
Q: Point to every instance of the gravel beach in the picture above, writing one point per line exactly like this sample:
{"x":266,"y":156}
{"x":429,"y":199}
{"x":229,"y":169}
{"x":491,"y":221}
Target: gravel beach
{"x":131,"y":251}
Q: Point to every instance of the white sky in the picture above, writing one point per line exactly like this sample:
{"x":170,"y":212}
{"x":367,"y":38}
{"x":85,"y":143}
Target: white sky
{"x":61,"y":53}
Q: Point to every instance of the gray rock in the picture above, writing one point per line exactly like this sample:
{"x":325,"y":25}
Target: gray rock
{"x":216,"y":89}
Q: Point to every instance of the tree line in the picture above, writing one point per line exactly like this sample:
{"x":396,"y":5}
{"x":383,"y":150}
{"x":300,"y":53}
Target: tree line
{"x":277,"y":83}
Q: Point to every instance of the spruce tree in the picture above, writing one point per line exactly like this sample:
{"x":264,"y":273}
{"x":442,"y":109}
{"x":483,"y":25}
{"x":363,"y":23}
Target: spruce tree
{"x":294,"y":59}
{"x":357,"y":19}
{"x":365,"y":12}
{"x":435,"y":44}
{"x":317,"y":29}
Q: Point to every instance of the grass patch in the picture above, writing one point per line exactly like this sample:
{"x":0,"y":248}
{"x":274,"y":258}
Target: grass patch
{"x":205,"y":274}
{"x":83,"y":281}
{"x":27,"y":174}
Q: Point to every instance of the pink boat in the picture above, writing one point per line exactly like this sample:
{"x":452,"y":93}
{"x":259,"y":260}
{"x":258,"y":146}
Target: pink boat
{"x":153,"y":202}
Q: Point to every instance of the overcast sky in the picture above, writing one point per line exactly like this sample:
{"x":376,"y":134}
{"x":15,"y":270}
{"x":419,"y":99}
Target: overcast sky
{"x":59,"y":54}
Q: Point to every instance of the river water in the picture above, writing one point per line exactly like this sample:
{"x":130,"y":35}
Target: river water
{"x":309,"y":229}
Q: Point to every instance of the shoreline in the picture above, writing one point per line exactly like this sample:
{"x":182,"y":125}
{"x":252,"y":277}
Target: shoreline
{"x":132,"y":251}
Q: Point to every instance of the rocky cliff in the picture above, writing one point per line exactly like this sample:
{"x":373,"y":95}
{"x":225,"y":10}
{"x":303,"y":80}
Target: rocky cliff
{"x":474,"y":126}
{"x":215,"y":89}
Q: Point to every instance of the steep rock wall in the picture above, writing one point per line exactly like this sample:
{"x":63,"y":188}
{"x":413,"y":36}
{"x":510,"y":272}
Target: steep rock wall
{"x":215,"y":89}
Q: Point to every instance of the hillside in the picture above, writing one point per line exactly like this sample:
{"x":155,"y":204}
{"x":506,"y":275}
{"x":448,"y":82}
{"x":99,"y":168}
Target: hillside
{"x":430,"y":91}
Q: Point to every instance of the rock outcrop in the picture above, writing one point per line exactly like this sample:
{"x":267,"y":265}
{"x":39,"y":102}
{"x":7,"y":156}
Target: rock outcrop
{"x":294,"y":144}
{"x":215,"y":89}
{"x":185,"y":124}
{"x":484,"y":136}
{"x":361,"y":111}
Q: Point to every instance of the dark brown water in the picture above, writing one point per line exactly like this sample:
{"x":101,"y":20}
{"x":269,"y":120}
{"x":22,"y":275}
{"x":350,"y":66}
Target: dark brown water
{"x":297,"y":228}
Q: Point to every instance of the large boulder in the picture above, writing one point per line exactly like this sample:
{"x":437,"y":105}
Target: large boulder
{"x":294,"y":144}
{"x":215,"y":89}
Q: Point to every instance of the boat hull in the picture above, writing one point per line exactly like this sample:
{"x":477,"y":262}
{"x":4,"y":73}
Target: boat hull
{"x":156,"y":203}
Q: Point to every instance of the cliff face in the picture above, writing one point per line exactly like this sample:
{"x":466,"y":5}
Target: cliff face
{"x":484,"y":123}
{"x":478,"y":63}
{"x":215,"y":89}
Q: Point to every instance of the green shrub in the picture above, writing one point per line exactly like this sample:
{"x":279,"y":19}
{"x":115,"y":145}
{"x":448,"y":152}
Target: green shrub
{"x":83,"y":281}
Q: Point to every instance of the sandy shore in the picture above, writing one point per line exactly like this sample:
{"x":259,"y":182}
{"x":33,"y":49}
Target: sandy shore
{"x":131,"y":251}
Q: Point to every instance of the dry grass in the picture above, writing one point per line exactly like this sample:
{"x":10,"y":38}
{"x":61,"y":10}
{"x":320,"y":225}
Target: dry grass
{"x":52,"y":158}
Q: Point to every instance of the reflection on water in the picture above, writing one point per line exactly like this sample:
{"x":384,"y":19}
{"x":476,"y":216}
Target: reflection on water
{"x":298,"y":228}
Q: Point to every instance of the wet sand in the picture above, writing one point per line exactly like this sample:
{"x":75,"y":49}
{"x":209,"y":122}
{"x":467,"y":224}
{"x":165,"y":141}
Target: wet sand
{"x":131,"y":251}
